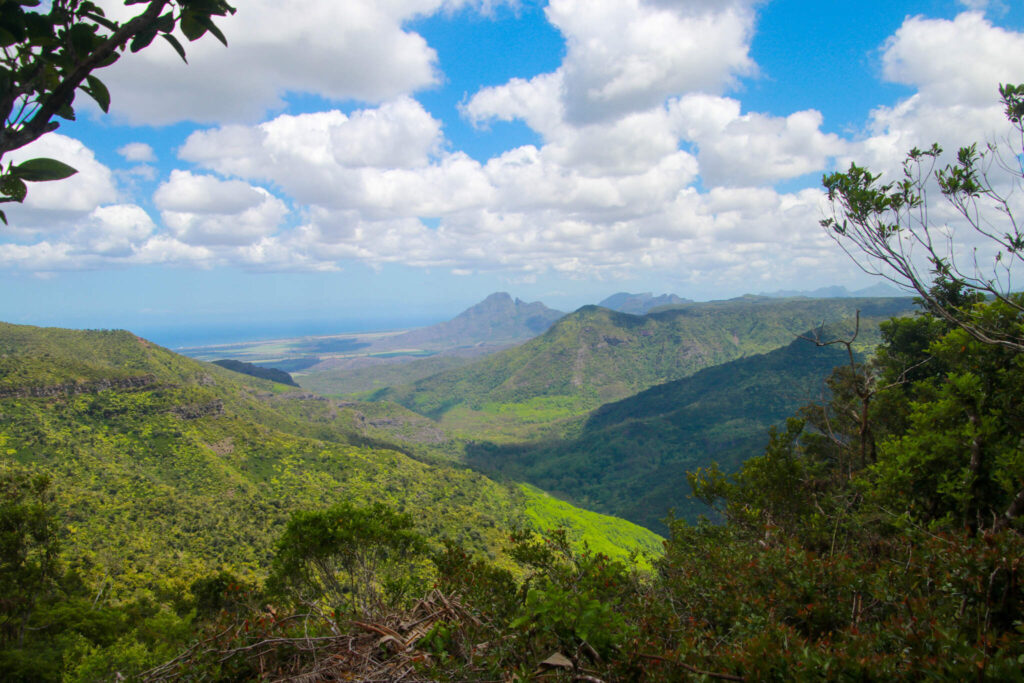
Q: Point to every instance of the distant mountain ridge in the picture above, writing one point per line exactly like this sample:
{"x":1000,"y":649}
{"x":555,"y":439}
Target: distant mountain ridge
{"x":838,"y":292}
{"x":498,"y":319}
{"x":596,"y":355}
{"x":639,"y":304}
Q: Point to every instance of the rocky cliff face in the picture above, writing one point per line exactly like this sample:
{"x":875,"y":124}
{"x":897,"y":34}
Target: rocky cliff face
{"x":74,"y":388}
{"x":194,"y":411}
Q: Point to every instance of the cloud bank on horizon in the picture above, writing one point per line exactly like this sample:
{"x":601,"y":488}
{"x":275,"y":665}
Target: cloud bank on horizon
{"x":306,"y":146}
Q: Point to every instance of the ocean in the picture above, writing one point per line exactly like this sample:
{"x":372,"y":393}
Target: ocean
{"x":186,"y":335}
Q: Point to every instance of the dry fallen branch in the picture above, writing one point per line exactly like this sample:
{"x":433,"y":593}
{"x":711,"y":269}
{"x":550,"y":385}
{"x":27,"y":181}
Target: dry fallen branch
{"x":382,"y":651}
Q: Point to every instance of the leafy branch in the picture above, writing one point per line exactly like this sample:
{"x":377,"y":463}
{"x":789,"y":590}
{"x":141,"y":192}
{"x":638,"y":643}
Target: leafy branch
{"x":47,"y":57}
{"x":887,"y":230}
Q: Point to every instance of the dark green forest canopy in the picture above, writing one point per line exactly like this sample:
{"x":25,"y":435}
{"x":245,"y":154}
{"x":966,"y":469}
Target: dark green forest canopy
{"x":273,"y":374}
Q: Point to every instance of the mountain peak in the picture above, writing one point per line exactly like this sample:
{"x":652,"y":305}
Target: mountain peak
{"x":640,"y":304}
{"x":498,"y":319}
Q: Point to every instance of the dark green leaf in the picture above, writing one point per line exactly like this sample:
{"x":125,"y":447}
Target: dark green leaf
{"x":6,"y":38}
{"x":66,"y":112}
{"x":98,"y":92}
{"x":39,"y":29}
{"x":101,"y":20}
{"x":114,"y":56}
{"x":212,"y":28}
{"x":176,"y":45}
{"x":192,"y":29}
{"x":13,"y":187}
{"x":83,"y":38}
{"x":41,"y":169}
{"x":142,"y":40}
{"x":165,"y":23}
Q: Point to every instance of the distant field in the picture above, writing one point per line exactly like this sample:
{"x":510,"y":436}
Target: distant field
{"x":370,"y":373}
{"x":345,"y":364}
{"x":284,"y":350}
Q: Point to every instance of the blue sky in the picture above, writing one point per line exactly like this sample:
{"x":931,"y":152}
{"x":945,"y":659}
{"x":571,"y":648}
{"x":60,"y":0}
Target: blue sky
{"x":375,"y":164}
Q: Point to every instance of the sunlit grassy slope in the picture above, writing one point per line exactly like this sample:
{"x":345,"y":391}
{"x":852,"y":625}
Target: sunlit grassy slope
{"x":601,"y":533}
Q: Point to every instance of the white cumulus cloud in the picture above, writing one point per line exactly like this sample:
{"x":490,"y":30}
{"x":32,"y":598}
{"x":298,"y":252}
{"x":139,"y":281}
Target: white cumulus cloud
{"x":956,"y":98}
{"x":628,"y":55}
{"x":49,"y":206}
{"x":137,"y":151}
{"x":749,"y":149}
{"x":206,"y":211}
{"x":115,"y":230}
{"x":358,"y":49}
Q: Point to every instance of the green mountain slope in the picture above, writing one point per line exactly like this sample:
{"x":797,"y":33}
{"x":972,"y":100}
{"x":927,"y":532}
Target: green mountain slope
{"x":609,"y":534}
{"x":168,"y":468}
{"x":632,"y":456}
{"x":595,"y":356}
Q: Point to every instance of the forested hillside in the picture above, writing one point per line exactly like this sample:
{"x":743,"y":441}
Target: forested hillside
{"x":595,"y":356}
{"x":632,"y":456}
{"x":164,"y":470}
{"x":363,"y":375}
{"x":273,"y":374}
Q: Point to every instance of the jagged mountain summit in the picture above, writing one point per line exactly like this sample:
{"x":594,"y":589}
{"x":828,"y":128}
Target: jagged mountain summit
{"x":498,"y":319}
{"x":640,"y":304}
